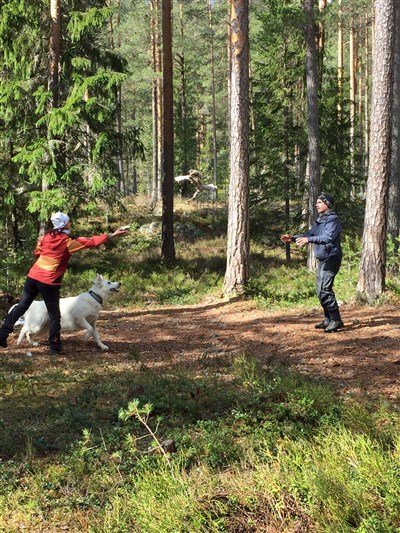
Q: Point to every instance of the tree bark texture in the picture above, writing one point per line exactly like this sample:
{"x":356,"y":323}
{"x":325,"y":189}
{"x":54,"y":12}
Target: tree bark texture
{"x":213,"y":111}
{"x":394,"y":176}
{"x":340,"y":61}
{"x":238,"y":248}
{"x":54,"y":51}
{"x":366,"y":94}
{"x":313,"y":117}
{"x":154,"y":104}
{"x":168,"y":246}
{"x":352,"y":77}
{"x":371,"y":281}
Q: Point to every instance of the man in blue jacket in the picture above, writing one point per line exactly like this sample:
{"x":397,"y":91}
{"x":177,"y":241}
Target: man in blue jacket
{"x":325,"y":235}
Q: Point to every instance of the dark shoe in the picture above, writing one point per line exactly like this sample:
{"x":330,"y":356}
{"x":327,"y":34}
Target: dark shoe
{"x":322,"y":325}
{"x":3,"y":342}
{"x":334,"y":325}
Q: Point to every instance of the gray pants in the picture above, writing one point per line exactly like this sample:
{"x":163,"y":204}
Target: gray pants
{"x":326,"y":272}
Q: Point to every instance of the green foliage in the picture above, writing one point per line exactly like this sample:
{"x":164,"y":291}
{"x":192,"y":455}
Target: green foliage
{"x":277,"y":445}
{"x":70,"y":148}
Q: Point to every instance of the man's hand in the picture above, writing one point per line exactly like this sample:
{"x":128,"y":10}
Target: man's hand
{"x":286,"y":238}
{"x":302,"y":241}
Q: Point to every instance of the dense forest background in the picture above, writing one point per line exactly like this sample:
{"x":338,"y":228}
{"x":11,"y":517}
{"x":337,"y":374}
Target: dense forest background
{"x":109,"y":72}
{"x":83,"y":109}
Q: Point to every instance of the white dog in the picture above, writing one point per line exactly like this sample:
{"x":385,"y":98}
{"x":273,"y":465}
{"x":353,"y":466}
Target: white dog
{"x":77,"y":312}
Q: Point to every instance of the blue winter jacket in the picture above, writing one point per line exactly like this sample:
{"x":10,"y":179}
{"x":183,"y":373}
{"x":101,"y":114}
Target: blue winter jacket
{"x":325,"y":235}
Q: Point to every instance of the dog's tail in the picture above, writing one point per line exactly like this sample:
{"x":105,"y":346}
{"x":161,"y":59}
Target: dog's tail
{"x":20,"y":321}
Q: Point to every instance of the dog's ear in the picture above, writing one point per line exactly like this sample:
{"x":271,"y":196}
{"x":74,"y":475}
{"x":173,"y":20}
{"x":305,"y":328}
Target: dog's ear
{"x":99,"y":277}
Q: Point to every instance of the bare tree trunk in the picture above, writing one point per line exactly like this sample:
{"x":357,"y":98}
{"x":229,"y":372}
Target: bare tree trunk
{"x":53,"y":86}
{"x":168,"y":246}
{"x":160,"y":109}
{"x":321,"y":38}
{"x":366,"y":96}
{"x":182,"y":65}
{"x":340,"y":62}
{"x":352,"y":68}
{"x":229,"y":62}
{"x":238,"y":247}
{"x":394,"y":176}
{"x":371,"y":281}
{"x":118,"y":109}
{"x":360,"y":112}
{"x":313,"y":119}
{"x":54,"y":52}
{"x":213,"y":114}
{"x":154,"y":104}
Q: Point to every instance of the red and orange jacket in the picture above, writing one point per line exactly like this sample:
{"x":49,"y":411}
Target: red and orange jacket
{"x":54,"y":251}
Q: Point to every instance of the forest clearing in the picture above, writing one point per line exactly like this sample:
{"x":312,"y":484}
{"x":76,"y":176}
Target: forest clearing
{"x":362,"y":359}
{"x":247,"y":157}
{"x":225,"y":385}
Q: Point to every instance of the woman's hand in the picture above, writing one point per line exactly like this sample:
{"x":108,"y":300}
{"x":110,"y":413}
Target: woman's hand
{"x":120,"y":232}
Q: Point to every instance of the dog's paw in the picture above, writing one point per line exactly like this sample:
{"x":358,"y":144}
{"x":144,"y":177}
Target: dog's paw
{"x":104,"y":347}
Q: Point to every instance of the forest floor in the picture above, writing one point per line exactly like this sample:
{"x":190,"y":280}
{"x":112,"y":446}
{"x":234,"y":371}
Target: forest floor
{"x":363,"y":358}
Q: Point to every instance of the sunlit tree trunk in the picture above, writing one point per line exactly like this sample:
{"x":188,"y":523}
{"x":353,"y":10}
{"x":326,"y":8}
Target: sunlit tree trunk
{"x":366,"y":95}
{"x":229,"y":63}
{"x":321,"y":38}
{"x":213,"y":110}
{"x":394,"y":176}
{"x":180,"y":59}
{"x":371,"y":281}
{"x":118,"y":106}
{"x":54,"y":52}
{"x":360,"y":112}
{"x":352,"y":69}
{"x":160,"y":100}
{"x":340,"y":61}
{"x":154,"y":105}
{"x":168,"y":246}
{"x":313,"y":118}
{"x":238,"y":246}
{"x":54,"y":88}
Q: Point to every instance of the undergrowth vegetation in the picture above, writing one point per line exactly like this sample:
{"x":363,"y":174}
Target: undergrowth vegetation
{"x":244,"y":446}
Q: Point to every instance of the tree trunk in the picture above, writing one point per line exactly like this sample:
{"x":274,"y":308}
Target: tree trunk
{"x":154,"y":104}
{"x":238,"y":246}
{"x":313,"y":119}
{"x":321,"y":38}
{"x":394,"y":176}
{"x":54,"y":89}
{"x":183,"y":105}
{"x":340,"y":62}
{"x":213,"y":111}
{"x":118,"y":110}
{"x":366,"y":96}
{"x":168,"y":246}
{"x":371,"y":281}
{"x":352,"y":68}
{"x":54,"y":52}
{"x":160,"y":110}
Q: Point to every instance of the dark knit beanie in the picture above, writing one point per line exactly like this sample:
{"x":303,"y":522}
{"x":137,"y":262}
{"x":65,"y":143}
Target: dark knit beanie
{"x":327,"y":198}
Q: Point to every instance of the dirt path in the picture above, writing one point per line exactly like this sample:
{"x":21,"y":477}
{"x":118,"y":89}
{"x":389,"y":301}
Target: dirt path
{"x":363,"y":358}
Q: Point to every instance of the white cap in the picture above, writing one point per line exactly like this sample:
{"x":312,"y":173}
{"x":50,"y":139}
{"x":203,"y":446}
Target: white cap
{"x":59,"y":220}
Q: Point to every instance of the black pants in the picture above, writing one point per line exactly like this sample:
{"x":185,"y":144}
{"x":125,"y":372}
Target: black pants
{"x":51,"y":297}
{"x":326,"y":272}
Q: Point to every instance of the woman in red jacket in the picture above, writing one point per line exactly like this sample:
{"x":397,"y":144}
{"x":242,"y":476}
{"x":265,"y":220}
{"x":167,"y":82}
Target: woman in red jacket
{"x":53,"y":253}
